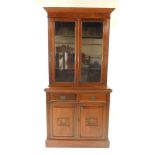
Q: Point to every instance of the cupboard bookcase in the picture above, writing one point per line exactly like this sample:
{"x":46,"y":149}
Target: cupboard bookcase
{"x":77,"y":98}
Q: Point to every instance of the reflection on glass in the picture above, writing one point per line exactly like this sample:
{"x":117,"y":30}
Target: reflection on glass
{"x":92,"y":43}
{"x":64,"y":51}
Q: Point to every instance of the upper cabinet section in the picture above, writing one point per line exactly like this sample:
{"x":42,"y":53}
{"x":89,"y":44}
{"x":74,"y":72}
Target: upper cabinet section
{"x":78,"y":46}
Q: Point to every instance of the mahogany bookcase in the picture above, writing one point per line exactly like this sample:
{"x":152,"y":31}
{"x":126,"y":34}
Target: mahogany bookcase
{"x":77,"y":98}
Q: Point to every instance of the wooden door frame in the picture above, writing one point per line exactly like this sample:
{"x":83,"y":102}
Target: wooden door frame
{"x":51,"y":34}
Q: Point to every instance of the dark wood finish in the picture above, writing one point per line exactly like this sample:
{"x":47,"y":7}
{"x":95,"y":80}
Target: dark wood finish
{"x":77,"y":112}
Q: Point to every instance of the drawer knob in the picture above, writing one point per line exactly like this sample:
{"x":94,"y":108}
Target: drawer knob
{"x":62,"y":97}
{"x":93,"y":98}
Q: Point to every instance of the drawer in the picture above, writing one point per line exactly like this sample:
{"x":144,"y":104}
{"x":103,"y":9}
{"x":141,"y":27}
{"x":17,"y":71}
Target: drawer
{"x":92,"y":97}
{"x":62,"y":97}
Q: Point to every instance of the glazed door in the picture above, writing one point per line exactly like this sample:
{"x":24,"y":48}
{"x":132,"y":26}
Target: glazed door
{"x":64,"y":51}
{"x":76,"y":52}
{"x":92,"y":120}
{"x":91,"y":51}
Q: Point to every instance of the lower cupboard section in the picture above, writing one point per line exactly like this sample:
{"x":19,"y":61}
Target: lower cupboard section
{"x":75,"y":121}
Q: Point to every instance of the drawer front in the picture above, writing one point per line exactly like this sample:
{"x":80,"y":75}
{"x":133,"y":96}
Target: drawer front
{"x":92,"y":97}
{"x":62,"y":97}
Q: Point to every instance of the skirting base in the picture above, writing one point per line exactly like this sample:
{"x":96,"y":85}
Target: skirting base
{"x":77,"y":143}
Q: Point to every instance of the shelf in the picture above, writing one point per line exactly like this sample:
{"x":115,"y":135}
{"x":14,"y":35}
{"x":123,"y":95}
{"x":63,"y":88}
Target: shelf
{"x":95,"y":57}
{"x":65,"y":69}
{"x":92,"y":44}
{"x":85,"y":37}
{"x":82,"y":69}
{"x":65,"y":43}
{"x":93,"y":37}
{"x":68,"y":36}
{"x":91,"y":68}
{"x":74,"y":43}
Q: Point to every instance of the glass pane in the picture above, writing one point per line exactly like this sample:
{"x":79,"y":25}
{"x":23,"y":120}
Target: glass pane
{"x":92,"y":44}
{"x":64,"y":51}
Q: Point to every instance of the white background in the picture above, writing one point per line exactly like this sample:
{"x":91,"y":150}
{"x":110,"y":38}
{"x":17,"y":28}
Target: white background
{"x":24,"y":75}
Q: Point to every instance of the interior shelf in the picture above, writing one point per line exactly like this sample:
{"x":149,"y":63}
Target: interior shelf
{"x":61,"y":43}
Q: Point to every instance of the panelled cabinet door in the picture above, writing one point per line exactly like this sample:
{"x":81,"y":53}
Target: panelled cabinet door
{"x":92,"y":120}
{"x":62,"y":119}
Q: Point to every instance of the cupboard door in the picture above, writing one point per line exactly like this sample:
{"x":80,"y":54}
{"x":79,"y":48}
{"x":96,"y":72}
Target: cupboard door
{"x":92,"y":120}
{"x":62,"y":117}
{"x":91,"y":53}
{"x":64,"y":51}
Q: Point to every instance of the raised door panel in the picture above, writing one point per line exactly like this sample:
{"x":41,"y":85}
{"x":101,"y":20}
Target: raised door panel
{"x":92,"y":120}
{"x":62,"y":120}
